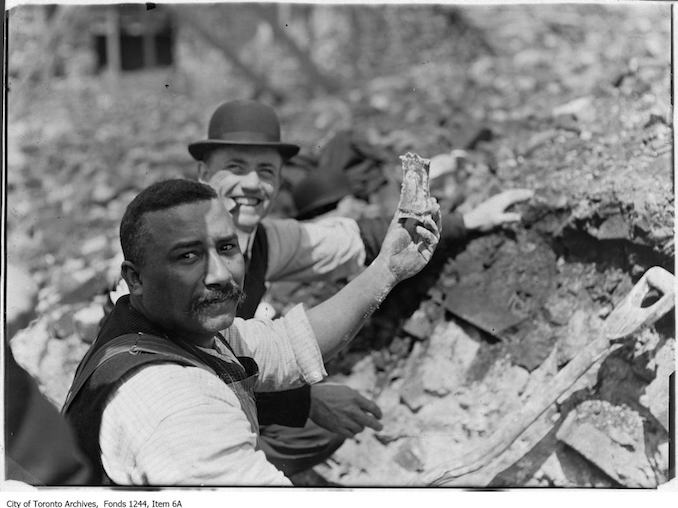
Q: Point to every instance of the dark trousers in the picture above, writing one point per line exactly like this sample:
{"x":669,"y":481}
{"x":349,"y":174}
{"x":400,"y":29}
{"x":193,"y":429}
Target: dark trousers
{"x":295,"y":449}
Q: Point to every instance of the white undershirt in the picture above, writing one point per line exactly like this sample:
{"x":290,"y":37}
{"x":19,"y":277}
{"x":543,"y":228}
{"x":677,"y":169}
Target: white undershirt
{"x":167,"y":424}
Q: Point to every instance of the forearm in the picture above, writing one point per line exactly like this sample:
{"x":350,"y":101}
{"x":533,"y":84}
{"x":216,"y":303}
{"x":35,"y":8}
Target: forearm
{"x":336,"y":321}
{"x":407,"y":247}
{"x":304,"y":251}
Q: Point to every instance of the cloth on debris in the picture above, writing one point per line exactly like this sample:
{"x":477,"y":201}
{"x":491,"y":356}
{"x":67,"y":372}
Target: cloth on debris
{"x":170,"y":424}
{"x":40,"y":446}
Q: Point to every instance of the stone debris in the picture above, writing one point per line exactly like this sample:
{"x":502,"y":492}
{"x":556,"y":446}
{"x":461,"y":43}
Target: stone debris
{"x":581,"y":329}
{"x":566,"y":468}
{"x":541,"y":376}
{"x":581,"y":108}
{"x":449,"y":355}
{"x":418,"y":325}
{"x":594,"y":432}
{"x":51,"y":361}
{"x":87,"y":321}
{"x":408,"y":458}
{"x":656,"y":394}
{"x":65,"y":325}
{"x":613,"y":228}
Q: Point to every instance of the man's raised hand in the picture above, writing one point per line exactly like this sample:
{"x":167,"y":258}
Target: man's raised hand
{"x":409,"y":244}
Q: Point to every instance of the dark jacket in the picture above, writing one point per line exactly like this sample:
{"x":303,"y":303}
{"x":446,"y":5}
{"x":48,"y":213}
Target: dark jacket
{"x":41,"y":449}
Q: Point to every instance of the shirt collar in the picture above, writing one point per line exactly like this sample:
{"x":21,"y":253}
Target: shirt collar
{"x":248,"y":240}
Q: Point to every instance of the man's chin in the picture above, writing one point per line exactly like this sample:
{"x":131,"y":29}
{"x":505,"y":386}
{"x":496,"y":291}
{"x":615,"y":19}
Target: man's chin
{"x":220,"y":317}
{"x":217,"y":324}
{"x":248,"y":221}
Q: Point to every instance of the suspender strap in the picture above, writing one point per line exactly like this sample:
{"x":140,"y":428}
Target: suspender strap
{"x":132,"y":344}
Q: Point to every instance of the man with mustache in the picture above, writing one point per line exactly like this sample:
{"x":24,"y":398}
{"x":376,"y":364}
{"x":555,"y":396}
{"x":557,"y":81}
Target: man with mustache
{"x":242,"y":158}
{"x":162,"y":397}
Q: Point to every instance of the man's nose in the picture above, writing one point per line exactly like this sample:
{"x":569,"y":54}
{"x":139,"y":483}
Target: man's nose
{"x":217,"y":273}
{"x":250,"y":180}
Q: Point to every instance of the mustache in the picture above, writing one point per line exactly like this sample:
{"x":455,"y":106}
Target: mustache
{"x":230,"y":292}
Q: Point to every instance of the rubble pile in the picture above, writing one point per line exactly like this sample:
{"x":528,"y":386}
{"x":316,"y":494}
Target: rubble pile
{"x":446,"y":387}
{"x":572,"y":102}
{"x":509,"y":310}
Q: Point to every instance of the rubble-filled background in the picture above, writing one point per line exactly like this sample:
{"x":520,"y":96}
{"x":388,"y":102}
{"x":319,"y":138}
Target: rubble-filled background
{"x":571,"y":101}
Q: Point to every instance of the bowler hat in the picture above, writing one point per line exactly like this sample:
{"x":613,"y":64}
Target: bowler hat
{"x":243,"y":123}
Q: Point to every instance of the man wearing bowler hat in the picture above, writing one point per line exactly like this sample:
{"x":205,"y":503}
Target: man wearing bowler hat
{"x":242,"y":158}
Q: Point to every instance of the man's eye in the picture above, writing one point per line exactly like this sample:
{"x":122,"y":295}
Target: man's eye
{"x":188,"y":256}
{"x":228,"y":247}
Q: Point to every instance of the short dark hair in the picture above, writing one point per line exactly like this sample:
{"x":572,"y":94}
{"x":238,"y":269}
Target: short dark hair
{"x":158,"y":196}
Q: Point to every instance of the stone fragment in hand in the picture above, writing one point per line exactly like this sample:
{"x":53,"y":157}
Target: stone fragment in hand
{"x":415,"y":195}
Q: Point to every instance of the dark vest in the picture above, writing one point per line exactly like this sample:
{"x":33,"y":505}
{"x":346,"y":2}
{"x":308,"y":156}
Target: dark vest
{"x":255,"y":275}
{"x":115,"y":353}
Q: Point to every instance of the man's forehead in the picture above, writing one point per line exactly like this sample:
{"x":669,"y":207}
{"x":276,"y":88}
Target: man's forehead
{"x":197,"y":219}
{"x":260,"y":153}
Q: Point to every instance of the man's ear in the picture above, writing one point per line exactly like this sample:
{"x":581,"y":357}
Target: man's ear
{"x":280,"y":181}
{"x":203,"y":172}
{"x":131,"y":275}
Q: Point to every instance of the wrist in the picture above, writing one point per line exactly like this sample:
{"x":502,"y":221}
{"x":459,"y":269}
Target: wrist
{"x":384,"y":276}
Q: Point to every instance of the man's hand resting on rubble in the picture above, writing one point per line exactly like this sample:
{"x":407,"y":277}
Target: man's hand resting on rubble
{"x":492,"y":212}
{"x":342,"y":410}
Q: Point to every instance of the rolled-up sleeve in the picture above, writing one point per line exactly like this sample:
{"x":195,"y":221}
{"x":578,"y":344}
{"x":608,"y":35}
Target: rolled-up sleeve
{"x":168,"y":424}
{"x":326,"y":248}
{"x":285,"y":349}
